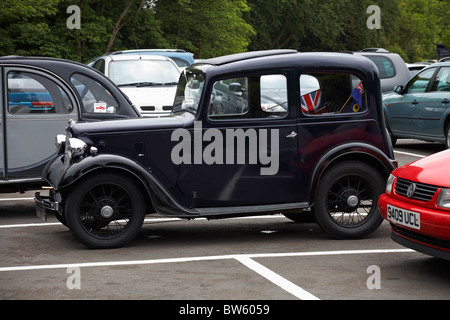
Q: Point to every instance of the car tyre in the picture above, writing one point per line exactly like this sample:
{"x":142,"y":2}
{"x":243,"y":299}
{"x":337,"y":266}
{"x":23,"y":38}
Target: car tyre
{"x":346,"y":200}
{"x":447,"y":137}
{"x":105,"y":211}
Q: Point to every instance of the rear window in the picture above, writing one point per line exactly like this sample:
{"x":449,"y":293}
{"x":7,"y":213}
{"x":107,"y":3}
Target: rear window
{"x":385,"y":66}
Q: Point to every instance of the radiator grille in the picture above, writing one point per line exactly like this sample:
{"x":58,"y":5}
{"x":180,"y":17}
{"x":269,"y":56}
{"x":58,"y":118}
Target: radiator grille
{"x":423,"y":192}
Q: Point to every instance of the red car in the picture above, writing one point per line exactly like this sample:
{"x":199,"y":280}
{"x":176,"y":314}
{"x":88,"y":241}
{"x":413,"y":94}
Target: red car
{"x":417,"y":204}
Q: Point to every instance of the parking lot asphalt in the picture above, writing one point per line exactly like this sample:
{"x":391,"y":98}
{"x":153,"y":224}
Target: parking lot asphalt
{"x":268,"y":258}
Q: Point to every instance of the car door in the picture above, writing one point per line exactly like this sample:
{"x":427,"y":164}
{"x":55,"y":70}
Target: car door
{"x":251,"y":154}
{"x":435,"y":103}
{"x":38,"y":107}
{"x":404,"y":112}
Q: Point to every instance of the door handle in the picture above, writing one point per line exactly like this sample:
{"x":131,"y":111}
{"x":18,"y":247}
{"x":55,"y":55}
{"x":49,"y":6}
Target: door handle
{"x":445,"y":101}
{"x":414,"y":102}
{"x":293,"y":134}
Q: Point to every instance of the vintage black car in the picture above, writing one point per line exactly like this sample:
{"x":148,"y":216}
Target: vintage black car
{"x":39,"y":97}
{"x":323,"y":149}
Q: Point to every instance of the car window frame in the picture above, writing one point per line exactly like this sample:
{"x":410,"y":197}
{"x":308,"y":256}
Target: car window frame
{"x":83,"y":112}
{"x":330,"y":114}
{"x":431,"y":85}
{"x":430,"y":81}
{"x":256,"y":73}
{"x":49,"y":76}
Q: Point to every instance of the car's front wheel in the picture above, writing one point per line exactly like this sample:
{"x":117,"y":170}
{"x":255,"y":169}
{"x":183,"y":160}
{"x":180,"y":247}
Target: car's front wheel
{"x":346,"y":200}
{"x":447,"y":137}
{"x":105,"y":211}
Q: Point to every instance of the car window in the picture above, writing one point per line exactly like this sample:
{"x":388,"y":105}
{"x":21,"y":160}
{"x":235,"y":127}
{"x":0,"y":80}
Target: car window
{"x":143,"y":72}
{"x":99,"y":65}
{"x":419,"y":83}
{"x":181,"y":63}
{"x":331,"y":93}
{"x":385,"y":66}
{"x":35,"y":94}
{"x":95,"y":97}
{"x":442,"y":80}
{"x":249,"y":97}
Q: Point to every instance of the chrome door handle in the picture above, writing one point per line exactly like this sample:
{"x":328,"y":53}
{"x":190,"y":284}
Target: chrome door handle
{"x":293,"y":134}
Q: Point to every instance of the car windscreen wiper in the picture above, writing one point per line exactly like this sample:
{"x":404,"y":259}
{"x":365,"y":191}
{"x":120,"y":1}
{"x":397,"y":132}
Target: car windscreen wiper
{"x":139,"y":84}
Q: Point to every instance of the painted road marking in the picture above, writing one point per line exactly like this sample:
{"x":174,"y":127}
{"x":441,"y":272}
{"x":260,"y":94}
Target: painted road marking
{"x":245,"y":259}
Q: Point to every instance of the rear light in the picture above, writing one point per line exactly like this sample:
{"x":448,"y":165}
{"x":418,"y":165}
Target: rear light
{"x":42,"y":103}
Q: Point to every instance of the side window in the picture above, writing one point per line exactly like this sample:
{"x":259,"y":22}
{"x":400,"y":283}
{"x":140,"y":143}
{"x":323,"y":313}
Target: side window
{"x":385,"y":66}
{"x":419,"y":83}
{"x":249,"y":97}
{"x":95,"y":97}
{"x":331,"y":93}
{"x":35,"y":94}
{"x":442,"y":81}
{"x":99,"y":65}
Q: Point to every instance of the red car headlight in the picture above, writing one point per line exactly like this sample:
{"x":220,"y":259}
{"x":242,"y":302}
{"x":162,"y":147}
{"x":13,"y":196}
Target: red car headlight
{"x":443,"y":199}
{"x":390,"y":184}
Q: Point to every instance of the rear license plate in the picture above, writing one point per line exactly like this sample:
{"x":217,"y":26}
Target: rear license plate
{"x":403,"y":217}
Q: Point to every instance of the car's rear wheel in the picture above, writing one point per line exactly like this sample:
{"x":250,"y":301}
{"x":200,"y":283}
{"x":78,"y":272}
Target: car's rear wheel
{"x":105,"y":211}
{"x":346,"y":200}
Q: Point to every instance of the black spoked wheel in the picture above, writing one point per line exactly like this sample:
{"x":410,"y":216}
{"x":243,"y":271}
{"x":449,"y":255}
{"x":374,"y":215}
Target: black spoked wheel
{"x":346,"y":200}
{"x":105,"y":211}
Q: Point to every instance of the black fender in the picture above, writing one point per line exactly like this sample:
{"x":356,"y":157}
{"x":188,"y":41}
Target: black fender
{"x":351,"y":151}
{"x":63,"y":179}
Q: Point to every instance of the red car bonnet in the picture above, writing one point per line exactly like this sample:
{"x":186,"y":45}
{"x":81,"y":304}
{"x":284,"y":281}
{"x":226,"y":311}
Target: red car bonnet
{"x":434,"y":170}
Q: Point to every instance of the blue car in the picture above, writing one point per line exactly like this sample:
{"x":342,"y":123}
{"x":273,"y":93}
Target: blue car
{"x":421,"y":109}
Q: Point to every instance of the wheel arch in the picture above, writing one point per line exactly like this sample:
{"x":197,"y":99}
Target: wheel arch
{"x":351,"y":152}
{"x":156,"y":196}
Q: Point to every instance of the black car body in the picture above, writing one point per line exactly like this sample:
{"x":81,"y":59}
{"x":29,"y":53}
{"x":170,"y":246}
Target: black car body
{"x":39,"y":97}
{"x":320,"y":151}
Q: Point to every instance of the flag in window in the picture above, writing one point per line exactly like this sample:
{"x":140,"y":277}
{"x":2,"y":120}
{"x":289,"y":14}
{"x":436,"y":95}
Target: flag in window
{"x":311,"y":102}
{"x":357,"y":95}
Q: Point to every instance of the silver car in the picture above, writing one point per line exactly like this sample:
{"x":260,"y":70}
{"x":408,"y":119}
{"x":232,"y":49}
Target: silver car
{"x":40,"y":96}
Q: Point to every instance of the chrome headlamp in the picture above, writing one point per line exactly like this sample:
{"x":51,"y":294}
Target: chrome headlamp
{"x":60,"y":143}
{"x":75,"y":148}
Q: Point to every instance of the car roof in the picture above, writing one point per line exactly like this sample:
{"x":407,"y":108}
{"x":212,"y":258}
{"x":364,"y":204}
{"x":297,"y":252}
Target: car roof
{"x":137,"y":57}
{"x":177,"y":53}
{"x":245,"y":56}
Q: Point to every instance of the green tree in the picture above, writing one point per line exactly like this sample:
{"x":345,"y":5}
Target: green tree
{"x":207,"y":28}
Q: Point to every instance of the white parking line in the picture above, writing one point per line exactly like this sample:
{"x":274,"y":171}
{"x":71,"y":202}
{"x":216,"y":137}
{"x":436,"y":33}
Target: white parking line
{"x":275,"y":278}
{"x":410,"y":154}
{"x":245,"y":259}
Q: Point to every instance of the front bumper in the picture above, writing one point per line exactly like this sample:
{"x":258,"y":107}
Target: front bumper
{"x":433,"y":238}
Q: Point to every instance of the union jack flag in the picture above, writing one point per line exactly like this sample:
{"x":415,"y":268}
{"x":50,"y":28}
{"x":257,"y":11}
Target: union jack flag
{"x":311,"y":102}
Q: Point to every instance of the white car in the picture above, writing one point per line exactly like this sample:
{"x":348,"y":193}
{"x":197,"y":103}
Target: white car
{"x":149,"y":81}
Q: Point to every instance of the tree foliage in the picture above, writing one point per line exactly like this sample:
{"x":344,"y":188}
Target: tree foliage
{"x":216,"y":27}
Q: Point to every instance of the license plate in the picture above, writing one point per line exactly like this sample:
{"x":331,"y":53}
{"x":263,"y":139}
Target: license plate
{"x":41,"y":214}
{"x":403,"y":217}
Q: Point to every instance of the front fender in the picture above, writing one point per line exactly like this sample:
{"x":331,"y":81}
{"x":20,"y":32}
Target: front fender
{"x":62,"y":178}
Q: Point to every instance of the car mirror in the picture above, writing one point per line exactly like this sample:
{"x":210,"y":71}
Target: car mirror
{"x":234,"y":87}
{"x":399,"y":89}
